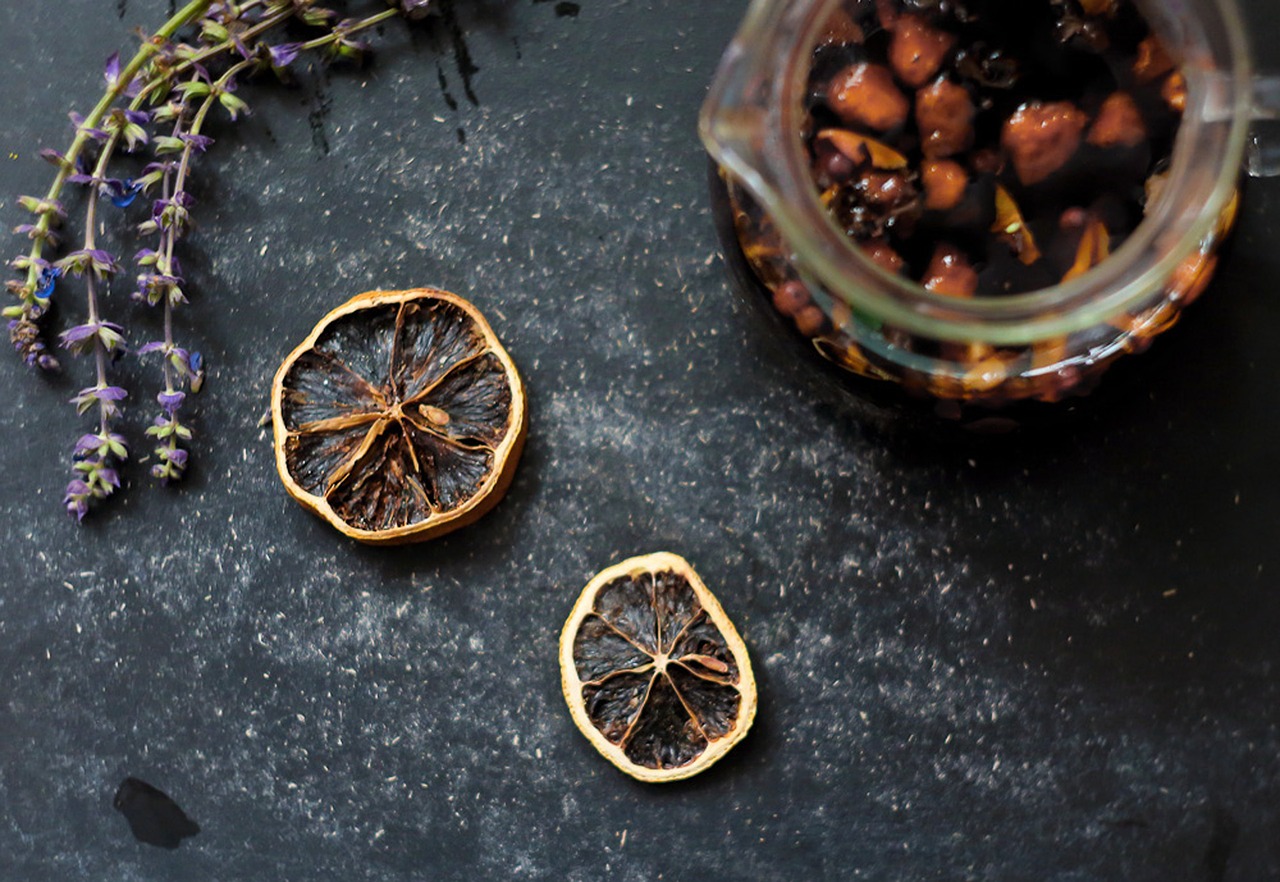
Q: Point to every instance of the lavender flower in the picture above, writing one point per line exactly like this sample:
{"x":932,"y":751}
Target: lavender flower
{"x":93,"y":133}
{"x":412,"y":8}
{"x":106,"y":398}
{"x":283,"y":54}
{"x":82,"y":338}
{"x":160,"y":99}
{"x":46,"y":280}
{"x":89,"y":260}
{"x":54,"y":158}
{"x":39,"y":233}
{"x":44,"y":207}
{"x":124,"y":192}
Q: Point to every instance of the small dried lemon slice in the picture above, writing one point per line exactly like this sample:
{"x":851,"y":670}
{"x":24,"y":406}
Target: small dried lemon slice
{"x":399,"y":418}
{"x":654,"y":672}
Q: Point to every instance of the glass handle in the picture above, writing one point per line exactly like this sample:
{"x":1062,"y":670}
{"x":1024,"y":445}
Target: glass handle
{"x":1263,"y":158}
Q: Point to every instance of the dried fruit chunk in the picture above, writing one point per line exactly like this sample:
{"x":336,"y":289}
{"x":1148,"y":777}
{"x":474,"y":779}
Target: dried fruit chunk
{"x":399,"y":418}
{"x":883,"y":255}
{"x":1119,"y":123}
{"x":949,"y":273}
{"x":1152,"y":61}
{"x":944,"y":184}
{"x":1174,"y":92}
{"x":1042,"y":138}
{"x":654,"y":672}
{"x":865,"y":94}
{"x":918,"y":50}
{"x":944,"y":115}
{"x":1098,"y":7}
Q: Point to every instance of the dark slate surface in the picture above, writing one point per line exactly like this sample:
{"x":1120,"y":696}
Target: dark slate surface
{"x":1057,"y":661}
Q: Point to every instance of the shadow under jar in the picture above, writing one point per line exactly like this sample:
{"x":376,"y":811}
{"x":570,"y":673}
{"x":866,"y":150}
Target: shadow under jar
{"x":981,"y":202}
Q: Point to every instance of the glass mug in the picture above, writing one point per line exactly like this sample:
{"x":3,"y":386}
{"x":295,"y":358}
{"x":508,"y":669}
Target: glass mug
{"x":978,"y":353}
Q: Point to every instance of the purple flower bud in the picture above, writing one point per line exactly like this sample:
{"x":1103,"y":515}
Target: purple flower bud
{"x":123,"y":192}
{"x":198,"y":143}
{"x":71,"y":336}
{"x":171,"y":401}
{"x":177,"y":457}
{"x":283,"y":55}
{"x":111,"y":71}
{"x":413,"y":8}
{"x":23,"y":262}
{"x":77,"y":499}
{"x":77,"y":122}
{"x":53,"y":157}
{"x":87,"y":444}
{"x":109,"y":476}
{"x":104,"y":396}
{"x":138,"y":117}
{"x":46,"y":280}
{"x":153,"y":346}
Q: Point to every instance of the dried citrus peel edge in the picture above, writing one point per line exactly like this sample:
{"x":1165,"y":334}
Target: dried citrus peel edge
{"x":571,"y":684}
{"x":506,"y":455}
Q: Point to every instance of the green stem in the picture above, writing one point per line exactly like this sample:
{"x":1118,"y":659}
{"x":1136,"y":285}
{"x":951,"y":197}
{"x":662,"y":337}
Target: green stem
{"x":90,"y":243}
{"x":165,"y":257}
{"x":180,"y":19}
{"x":355,"y":28}
{"x":212,"y":52}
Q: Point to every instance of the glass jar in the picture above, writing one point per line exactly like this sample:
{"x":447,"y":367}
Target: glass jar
{"x":986,"y":352}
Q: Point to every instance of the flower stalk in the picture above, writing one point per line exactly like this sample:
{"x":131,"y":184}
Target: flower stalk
{"x":167,"y":82}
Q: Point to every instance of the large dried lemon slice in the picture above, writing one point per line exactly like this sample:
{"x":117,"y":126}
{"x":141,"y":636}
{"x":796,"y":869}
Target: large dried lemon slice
{"x":399,"y":418}
{"x":654,"y":672}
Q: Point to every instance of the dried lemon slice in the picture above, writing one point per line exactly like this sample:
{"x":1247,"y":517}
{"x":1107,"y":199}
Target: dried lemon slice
{"x":654,"y":672}
{"x":399,"y":418}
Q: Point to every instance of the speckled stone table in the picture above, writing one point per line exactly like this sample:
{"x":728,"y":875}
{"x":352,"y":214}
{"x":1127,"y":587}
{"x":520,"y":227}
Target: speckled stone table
{"x":1051,"y":661}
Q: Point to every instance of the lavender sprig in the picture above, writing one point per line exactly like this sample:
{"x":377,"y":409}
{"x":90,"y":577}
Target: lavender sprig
{"x":161,"y":281}
{"x":95,"y":456}
{"x":165,"y":82}
{"x":34,"y":294}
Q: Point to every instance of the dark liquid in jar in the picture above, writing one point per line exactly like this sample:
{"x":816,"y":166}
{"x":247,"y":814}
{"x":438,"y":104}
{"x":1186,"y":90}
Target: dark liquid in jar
{"x":982,"y":149}
{"x":990,"y":147}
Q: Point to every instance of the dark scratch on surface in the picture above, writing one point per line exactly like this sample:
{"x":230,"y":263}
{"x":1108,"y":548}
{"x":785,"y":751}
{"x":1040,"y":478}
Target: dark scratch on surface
{"x":316,"y":120}
{"x":122,"y":7}
{"x":444,"y":88}
{"x":564,"y":8}
{"x":461,"y":52}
